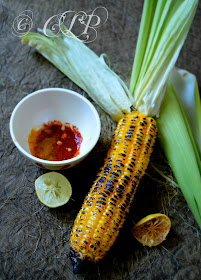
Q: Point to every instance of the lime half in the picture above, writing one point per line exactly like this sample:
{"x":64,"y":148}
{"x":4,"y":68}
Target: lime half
{"x":152,"y":230}
{"x":53,"y":189}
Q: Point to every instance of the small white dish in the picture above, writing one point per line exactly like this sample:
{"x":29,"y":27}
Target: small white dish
{"x":57,"y":104}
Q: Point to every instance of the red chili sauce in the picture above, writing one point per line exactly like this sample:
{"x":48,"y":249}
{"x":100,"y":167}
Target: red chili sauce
{"x":55,"y":141}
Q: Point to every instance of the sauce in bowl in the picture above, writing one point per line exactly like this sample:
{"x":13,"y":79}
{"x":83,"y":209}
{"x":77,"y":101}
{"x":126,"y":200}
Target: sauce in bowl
{"x":55,"y":141}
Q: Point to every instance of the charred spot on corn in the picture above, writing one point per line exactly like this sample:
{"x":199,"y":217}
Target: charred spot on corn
{"x":113,"y":191}
{"x":76,"y":261}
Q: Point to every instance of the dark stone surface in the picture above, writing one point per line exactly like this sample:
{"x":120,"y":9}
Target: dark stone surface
{"x":33,"y":238}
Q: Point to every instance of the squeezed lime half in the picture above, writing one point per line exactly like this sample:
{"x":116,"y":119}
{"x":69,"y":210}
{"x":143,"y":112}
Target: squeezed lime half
{"x":53,"y":189}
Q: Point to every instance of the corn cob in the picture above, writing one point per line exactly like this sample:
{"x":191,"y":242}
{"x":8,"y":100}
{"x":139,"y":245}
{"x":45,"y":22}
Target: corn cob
{"x":105,"y":207}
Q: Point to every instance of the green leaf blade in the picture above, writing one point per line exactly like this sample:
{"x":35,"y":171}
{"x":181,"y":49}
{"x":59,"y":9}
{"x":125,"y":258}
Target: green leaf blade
{"x":153,"y":63}
{"x":178,"y":148}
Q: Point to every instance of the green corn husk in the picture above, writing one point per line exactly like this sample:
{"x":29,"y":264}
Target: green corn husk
{"x":186,"y":88}
{"x":163,"y":29}
{"x":85,"y":69}
{"x":176,"y":137}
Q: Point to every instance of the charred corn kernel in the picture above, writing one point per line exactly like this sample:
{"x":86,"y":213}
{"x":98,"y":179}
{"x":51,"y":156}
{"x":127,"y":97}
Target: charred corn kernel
{"x":105,"y":207}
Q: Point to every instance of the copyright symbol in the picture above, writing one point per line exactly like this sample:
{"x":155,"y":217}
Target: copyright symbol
{"x":23,"y":23}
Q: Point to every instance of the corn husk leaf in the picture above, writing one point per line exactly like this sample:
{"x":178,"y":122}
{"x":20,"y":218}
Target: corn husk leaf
{"x":84,"y":68}
{"x":164,"y":27}
{"x":179,"y":147}
{"x":186,"y":88}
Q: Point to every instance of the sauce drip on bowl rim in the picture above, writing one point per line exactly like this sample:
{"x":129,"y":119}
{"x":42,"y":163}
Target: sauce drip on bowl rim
{"x":55,"y":141}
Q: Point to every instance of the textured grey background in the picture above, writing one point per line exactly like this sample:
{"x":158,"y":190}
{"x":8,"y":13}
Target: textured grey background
{"x":33,"y":238}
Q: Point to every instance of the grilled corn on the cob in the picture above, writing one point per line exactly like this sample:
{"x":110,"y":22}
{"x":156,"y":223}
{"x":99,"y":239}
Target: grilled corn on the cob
{"x":105,"y":207}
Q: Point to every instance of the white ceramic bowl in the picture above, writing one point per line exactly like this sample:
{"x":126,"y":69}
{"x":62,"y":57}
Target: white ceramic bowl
{"x":57,"y":104}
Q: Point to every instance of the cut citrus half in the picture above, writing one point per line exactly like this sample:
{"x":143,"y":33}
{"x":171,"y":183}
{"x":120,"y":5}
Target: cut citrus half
{"x":53,"y":189}
{"x":152,"y":230}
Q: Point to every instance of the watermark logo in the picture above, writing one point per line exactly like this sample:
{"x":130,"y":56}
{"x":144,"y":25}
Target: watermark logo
{"x":82,"y":24}
{"x":23,"y":23}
